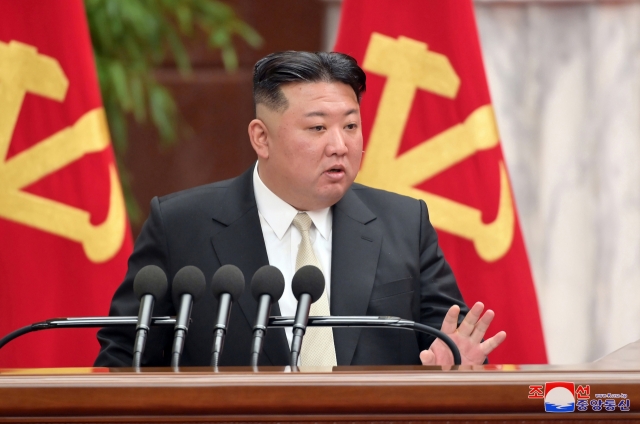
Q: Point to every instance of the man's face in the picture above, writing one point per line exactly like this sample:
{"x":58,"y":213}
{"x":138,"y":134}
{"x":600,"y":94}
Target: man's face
{"x":310,"y":153}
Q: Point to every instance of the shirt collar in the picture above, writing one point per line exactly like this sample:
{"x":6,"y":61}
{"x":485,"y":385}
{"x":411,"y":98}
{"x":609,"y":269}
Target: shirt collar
{"x":279,"y":214}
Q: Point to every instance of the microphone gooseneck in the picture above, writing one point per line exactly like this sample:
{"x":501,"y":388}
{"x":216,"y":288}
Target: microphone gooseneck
{"x":149,"y":284}
{"x":227,"y":286}
{"x":267,"y":286}
{"x":307,"y":286}
{"x":188,"y":286}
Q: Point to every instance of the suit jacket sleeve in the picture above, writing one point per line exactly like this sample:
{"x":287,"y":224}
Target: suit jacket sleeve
{"x":117,"y":342}
{"x":438,"y":288}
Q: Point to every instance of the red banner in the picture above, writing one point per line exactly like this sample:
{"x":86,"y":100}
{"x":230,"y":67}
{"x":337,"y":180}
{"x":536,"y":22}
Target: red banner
{"x":430,"y":133}
{"x":63,"y":225}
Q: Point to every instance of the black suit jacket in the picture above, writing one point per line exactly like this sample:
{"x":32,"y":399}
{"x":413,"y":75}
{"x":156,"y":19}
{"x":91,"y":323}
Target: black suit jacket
{"x":385,"y":261}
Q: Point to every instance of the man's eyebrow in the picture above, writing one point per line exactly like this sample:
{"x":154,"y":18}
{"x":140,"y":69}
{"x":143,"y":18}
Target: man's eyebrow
{"x":350,"y":111}
{"x":315,"y":113}
{"x":322,"y":114}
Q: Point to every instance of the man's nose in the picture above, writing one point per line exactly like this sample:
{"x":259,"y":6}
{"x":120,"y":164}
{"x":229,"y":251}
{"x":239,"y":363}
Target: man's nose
{"x":337,"y":145}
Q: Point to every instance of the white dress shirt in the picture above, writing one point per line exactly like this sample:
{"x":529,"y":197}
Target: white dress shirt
{"x":282,"y":239}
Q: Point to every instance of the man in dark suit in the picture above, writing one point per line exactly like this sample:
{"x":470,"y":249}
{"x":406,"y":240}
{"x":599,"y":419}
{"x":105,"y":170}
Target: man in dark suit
{"x":378,"y":250}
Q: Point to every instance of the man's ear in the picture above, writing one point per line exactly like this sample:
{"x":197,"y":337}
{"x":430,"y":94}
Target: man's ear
{"x":259,"y":136}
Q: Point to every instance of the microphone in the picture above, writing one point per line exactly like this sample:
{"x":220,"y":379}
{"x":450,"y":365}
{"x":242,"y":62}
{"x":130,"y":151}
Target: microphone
{"x":307,"y":286}
{"x":267,"y":286}
{"x":150,"y":283}
{"x":188,"y":286}
{"x":227,"y":286}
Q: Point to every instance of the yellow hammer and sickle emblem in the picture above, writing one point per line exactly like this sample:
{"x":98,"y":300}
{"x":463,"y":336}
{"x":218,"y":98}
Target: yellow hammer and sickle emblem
{"x":23,"y":70}
{"x":409,"y":66}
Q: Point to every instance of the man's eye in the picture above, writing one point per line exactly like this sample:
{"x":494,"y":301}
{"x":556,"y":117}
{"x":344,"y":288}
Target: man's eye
{"x":351,"y":126}
{"x":317,"y":128}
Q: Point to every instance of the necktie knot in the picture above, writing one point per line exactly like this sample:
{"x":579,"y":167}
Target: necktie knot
{"x":302,"y":221}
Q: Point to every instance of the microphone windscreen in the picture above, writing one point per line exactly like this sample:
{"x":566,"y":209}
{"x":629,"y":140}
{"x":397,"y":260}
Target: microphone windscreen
{"x":150,"y":280}
{"x":228,"y":279}
{"x":188,"y":280}
{"x":268,"y":280}
{"x":308,"y":279}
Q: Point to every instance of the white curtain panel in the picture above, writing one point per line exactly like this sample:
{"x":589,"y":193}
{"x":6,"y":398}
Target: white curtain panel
{"x":565,"y":82}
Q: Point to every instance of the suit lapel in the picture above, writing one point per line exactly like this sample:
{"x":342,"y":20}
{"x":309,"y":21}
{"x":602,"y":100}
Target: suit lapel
{"x":239,"y":242}
{"x":354,"y":260}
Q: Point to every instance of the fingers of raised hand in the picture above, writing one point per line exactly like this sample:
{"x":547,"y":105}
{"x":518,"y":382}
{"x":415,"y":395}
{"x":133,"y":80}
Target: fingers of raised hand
{"x":481,"y":326}
{"x":450,"y":322}
{"x":469,"y":322}
{"x":491,"y":343}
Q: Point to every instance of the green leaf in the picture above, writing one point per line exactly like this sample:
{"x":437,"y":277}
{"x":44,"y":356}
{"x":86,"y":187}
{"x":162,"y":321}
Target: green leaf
{"x":220,"y":38}
{"x":163,"y":112}
{"x":249,"y":34}
{"x":229,"y":58}
{"x":118,"y":82}
{"x":117,"y":127}
{"x":137,"y":95}
{"x":180,"y":53}
{"x":185,"y":19}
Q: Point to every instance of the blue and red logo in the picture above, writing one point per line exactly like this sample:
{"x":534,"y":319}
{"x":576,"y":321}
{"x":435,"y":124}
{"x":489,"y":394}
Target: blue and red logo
{"x":559,"y":396}
{"x":563,"y":396}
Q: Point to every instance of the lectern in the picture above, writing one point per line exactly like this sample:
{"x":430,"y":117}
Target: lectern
{"x":608,"y":389}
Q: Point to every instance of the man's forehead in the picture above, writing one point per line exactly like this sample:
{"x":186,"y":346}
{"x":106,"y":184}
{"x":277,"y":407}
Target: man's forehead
{"x":310,"y":95}
{"x":323,"y":113}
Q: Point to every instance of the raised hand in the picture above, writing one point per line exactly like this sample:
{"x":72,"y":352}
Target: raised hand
{"x":468,"y":338}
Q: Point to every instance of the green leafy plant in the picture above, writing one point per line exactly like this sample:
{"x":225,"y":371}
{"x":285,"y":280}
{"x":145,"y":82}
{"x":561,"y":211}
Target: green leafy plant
{"x":132,"y":37}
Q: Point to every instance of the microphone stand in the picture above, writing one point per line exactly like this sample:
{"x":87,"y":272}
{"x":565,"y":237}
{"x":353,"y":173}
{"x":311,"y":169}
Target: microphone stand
{"x":276,"y":322}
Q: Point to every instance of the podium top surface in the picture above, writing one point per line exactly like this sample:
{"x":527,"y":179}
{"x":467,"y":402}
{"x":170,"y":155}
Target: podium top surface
{"x":356,"y":376}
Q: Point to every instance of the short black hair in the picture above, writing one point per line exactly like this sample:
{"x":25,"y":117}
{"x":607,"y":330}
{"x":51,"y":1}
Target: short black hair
{"x":280,"y":68}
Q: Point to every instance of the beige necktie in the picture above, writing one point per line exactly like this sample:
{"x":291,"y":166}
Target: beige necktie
{"x":318,"y":348}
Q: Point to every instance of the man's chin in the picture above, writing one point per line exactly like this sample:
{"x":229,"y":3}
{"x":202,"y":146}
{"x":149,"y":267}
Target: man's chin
{"x":331,"y":195}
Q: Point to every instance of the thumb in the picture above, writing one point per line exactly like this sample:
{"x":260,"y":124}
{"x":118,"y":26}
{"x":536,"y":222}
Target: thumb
{"x":427,"y":357}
